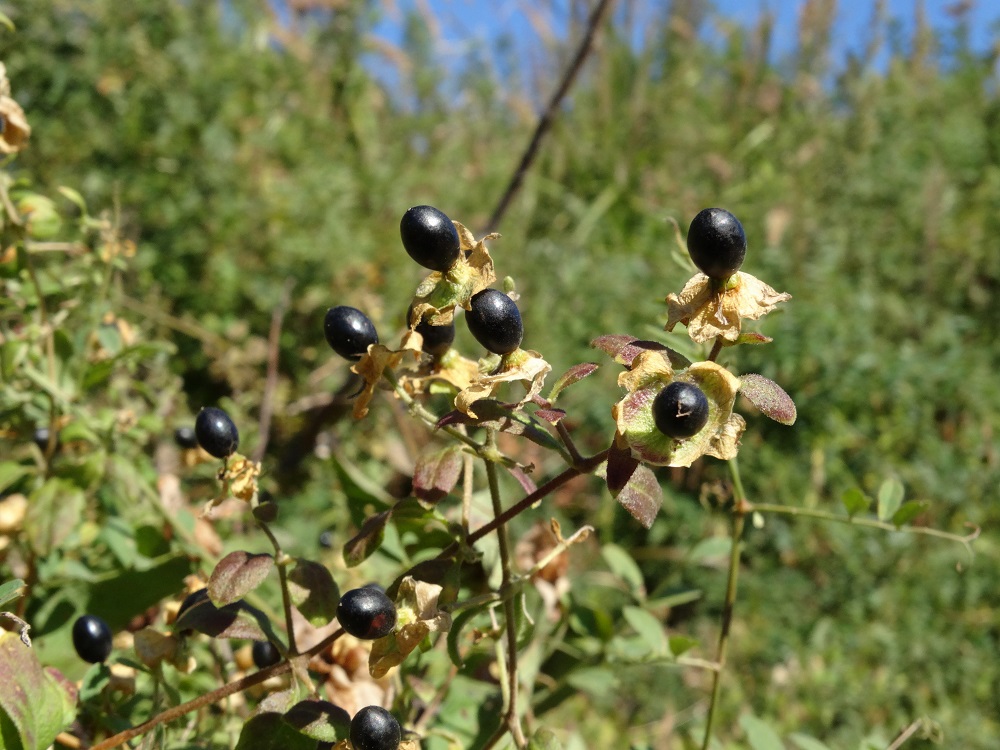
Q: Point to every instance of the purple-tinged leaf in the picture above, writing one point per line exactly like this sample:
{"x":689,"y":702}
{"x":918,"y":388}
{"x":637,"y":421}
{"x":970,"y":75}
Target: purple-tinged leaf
{"x":526,"y":482}
{"x":313,"y":591}
{"x":552,"y":416}
{"x":236,"y":620}
{"x":38,"y":703}
{"x":769,"y":397}
{"x":641,"y":496}
{"x":320,"y":720}
{"x":236,"y":575}
{"x":621,"y":467}
{"x":749,"y":337}
{"x":573,"y":375}
{"x":625,"y":348}
{"x":367,"y":540}
{"x":437,"y":473}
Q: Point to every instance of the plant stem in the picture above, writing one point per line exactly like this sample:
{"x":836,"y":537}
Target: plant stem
{"x":739,"y":519}
{"x":212,"y":697}
{"x":871,"y":523}
{"x":512,"y":718}
{"x":286,"y":599}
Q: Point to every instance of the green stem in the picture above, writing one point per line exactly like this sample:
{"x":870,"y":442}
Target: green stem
{"x":286,"y":600}
{"x":739,"y":519}
{"x":871,"y":523}
{"x":513,"y":719}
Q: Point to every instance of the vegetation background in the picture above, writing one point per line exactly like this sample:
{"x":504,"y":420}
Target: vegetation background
{"x":260,"y":161}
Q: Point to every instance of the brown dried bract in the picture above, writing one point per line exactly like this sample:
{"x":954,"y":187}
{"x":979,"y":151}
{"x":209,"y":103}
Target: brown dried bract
{"x":710,"y":310}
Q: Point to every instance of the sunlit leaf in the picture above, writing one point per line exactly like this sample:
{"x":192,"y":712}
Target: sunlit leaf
{"x":367,"y":540}
{"x":320,"y":720}
{"x":313,"y":591}
{"x":39,"y":703}
{"x":760,"y":735}
{"x":270,"y":731}
{"x":769,"y":397}
{"x":890,"y":498}
{"x":437,"y":473}
{"x":908,"y":511}
{"x":855,"y":501}
{"x":236,"y":575}
{"x":573,"y":375}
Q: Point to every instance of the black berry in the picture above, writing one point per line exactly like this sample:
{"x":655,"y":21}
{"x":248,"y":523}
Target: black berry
{"x":374,"y":728}
{"x":680,"y":410}
{"x":41,"y":438}
{"x":366,"y":613}
{"x":717,"y":243}
{"x":430,"y":238}
{"x":265,"y":654}
{"x":216,"y":432}
{"x":495,"y":321}
{"x":91,"y":639}
{"x":348,"y":331}
{"x":185,"y":437}
{"x":326,"y":540}
{"x":437,"y":339}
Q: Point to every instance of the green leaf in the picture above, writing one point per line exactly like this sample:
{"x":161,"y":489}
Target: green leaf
{"x":236,"y":620}
{"x":648,"y":627}
{"x":641,"y":496}
{"x":855,"y":501}
{"x":908,"y":511}
{"x":805,"y":742}
{"x":38,"y":703}
{"x":320,"y":720}
{"x":236,"y":575}
{"x":10,"y":473}
{"x":313,"y":591}
{"x":544,"y":739}
{"x":890,"y":497}
{"x":573,"y":375}
{"x":624,"y":566}
{"x":681,"y":643}
{"x":10,"y":591}
{"x":54,"y":510}
{"x":270,"y":731}
{"x":760,"y":735}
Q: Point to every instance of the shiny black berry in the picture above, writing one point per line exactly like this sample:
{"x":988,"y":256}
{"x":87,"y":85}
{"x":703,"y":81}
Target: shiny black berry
{"x":326,"y":540}
{"x":430,"y":238}
{"x":717,"y":243}
{"x":265,"y":654}
{"x":348,"y":331}
{"x":216,"y":432}
{"x":41,"y":438}
{"x":366,"y":613}
{"x":374,"y":728}
{"x":185,"y":437}
{"x":680,"y":410}
{"x":92,"y":639}
{"x":437,"y":339}
{"x":495,"y":321}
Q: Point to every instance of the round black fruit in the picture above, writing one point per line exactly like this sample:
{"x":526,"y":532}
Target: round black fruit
{"x":437,"y":339}
{"x":41,"y":438}
{"x":348,"y":331}
{"x":495,"y":321}
{"x":366,"y":613}
{"x":680,"y":410}
{"x":185,"y":437}
{"x":430,"y":238}
{"x":216,"y":432}
{"x":265,"y":654}
{"x":717,"y":243}
{"x":91,"y":639}
{"x":374,"y":728}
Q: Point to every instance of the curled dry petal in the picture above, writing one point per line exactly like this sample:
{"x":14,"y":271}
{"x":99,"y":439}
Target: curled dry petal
{"x":709,"y":309}
{"x":373,"y":363}
{"x":439,"y":294}
{"x":521,"y":364}
{"x":16,"y":130}
{"x":418,"y":614}
{"x":637,"y":428}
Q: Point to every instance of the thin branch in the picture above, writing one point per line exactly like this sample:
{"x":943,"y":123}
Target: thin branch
{"x":548,"y":116}
{"x":212,"y":697}
{"x":271,"y":383}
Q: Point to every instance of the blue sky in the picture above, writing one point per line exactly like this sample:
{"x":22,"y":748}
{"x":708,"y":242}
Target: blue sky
{"x":462,"y":22}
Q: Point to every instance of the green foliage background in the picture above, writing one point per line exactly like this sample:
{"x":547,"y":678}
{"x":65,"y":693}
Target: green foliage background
{"x":245,"y":161}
